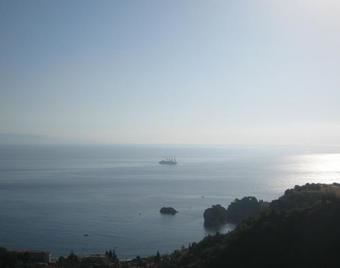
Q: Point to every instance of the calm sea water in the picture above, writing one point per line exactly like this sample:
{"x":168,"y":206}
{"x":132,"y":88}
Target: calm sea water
{"x":50,"y":196}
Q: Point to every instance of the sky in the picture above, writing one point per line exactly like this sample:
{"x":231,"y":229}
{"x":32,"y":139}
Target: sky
{"x":171,"y":72}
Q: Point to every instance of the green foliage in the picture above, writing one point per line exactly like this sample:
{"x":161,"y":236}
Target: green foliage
{"x":158,"y":257}
{"x":111,"y":255}
{"x":244,"y":208}
{"x":300,"y":229}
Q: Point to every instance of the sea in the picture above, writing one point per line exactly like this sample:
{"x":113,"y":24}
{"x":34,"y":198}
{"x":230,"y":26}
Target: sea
{"x":88,"y":199}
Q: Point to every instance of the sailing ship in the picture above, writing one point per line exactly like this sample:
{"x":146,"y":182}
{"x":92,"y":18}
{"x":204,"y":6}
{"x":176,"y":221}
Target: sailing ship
{"x":168,"y":161}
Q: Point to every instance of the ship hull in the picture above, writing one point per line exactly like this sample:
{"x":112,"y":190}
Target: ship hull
{"x":169,"y":163}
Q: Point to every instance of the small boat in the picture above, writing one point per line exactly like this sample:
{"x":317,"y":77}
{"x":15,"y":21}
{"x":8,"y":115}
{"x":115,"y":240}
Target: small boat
{"x":168,"y":161}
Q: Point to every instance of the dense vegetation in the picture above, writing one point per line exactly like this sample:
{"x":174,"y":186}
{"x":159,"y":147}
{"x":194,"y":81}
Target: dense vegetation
{"x":241,"y":209}
{"x":300,"y":229}
{"x":11,"y":259}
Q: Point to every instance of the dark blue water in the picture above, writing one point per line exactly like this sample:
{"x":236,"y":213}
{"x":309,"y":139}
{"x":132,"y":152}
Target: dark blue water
{"x":50,"y":196}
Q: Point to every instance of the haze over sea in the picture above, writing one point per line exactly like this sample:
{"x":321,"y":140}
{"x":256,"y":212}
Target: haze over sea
{"x":51,"y":196}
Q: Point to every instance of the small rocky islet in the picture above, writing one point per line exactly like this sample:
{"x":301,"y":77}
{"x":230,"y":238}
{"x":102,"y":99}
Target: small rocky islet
{"x":168,"y":211}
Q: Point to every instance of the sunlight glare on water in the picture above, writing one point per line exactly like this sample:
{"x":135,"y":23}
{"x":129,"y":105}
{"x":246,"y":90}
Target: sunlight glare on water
{"x":328,"y":163}
{"x":318,"y":168}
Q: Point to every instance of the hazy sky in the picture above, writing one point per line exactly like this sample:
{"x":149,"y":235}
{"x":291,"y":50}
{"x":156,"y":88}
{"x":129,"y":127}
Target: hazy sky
{"x":140,"y":71}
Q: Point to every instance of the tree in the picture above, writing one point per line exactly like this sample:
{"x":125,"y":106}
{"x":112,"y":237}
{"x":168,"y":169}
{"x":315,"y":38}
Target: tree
{"x":158,"y":257}
{"x":111,"y":255}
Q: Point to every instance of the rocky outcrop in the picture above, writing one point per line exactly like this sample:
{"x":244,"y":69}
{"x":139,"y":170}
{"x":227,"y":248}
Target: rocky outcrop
{"x":168,"y":210}
{"x":241,"y":209}
{"x":215,"y":216}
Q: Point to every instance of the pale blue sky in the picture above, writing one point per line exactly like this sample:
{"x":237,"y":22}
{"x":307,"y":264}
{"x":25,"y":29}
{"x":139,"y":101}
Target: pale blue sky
{"x":206,"y":72}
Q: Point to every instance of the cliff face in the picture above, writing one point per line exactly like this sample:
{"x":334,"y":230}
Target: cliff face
{"x":215,"y":216}
{"x":300,"y":229}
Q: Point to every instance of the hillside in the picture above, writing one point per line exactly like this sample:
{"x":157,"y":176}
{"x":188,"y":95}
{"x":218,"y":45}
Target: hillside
{"x":300,"y":229}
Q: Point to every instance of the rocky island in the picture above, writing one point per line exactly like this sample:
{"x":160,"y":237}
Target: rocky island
{"x":168,"y":211}
{"x":237,"y":211}
{"x":215,"y":216}
{"x":241,"y":209}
